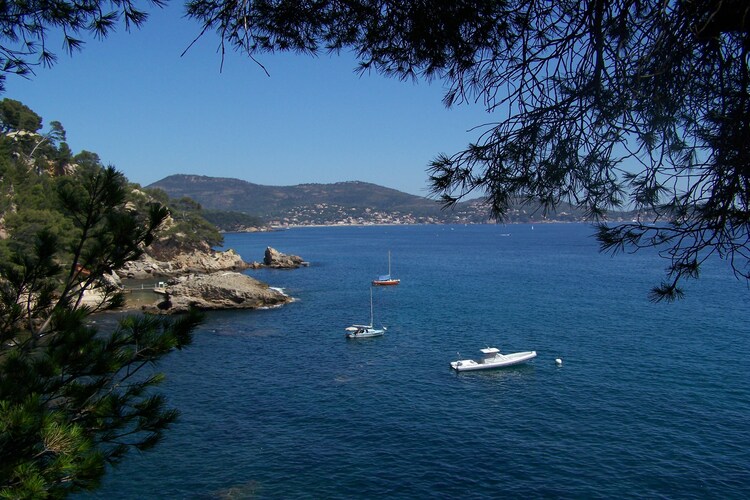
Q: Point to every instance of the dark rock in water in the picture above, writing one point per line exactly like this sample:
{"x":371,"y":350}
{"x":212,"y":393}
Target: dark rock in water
{"x":277,"y":260}
{"x":166,"y":304}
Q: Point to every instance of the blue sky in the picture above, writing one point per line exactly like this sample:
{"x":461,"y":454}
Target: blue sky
{"x":143,"y":108}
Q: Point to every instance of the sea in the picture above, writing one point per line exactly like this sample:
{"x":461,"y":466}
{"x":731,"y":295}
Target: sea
{"x":651,"y":400}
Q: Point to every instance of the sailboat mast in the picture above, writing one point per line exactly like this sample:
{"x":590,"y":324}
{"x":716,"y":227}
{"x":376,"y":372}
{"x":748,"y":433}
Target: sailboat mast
{"x":371,"y":318}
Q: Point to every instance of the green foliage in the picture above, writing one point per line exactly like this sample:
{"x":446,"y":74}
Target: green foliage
{"x":158,"y":195}
{"x":232,"y":221}
{"x":41,"y":179}
{"x":25,"y":224}
{"x":73,"y":399}
{"x":190,"y":227}
{"x":86,"y":160}
{"x":17,"y":116}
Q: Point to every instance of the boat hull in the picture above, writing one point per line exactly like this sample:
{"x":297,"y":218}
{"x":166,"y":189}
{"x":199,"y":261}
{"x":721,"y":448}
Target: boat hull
{"x":365,"y":335}
{"x":386,"y":282}
{"x":499,"y":361}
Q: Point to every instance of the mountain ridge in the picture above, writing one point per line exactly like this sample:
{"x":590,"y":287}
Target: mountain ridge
{"x":313,"y":202}
{"x":346,"y":202}
{"x":276,"y":195}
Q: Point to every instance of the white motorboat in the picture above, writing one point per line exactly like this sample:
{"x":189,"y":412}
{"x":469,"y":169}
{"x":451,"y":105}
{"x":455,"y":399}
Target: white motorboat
{"x":492,"y":359}
{"x":364,"y":331}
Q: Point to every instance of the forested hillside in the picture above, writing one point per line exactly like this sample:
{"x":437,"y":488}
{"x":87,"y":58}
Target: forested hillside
{"x":35,"y":164}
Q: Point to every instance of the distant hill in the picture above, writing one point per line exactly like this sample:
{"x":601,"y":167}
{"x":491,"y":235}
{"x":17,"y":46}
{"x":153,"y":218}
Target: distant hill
{"x":220,"y":193}
{"x":339,"y":203}
{"x":316,"y":203}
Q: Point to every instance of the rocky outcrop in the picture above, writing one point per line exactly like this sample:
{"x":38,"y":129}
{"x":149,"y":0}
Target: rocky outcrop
{"x":200,"y":261}
{"x":277,"y":260}
{"x":207,"y":279}
{"x":224,"y":290}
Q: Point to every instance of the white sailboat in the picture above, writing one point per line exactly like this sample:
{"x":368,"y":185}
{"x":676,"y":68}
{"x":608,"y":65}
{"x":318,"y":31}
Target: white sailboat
{"x":364,"y":331}
{"x":386,"y":279}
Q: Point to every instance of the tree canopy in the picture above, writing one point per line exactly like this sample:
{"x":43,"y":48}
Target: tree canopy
{"x":600,"y":103}
{"x":73,"y":399}
{"x":16,"y":116}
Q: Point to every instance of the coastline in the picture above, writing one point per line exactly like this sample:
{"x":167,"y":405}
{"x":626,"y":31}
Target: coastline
{"x":395,"y":224}
{"x":208,"y":280}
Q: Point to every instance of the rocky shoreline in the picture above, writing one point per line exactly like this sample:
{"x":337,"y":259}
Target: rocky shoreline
{"x":206,"y":279}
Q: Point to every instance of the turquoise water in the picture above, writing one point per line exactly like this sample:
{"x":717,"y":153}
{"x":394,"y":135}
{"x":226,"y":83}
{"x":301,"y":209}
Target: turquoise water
{"x":652,"y":400}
